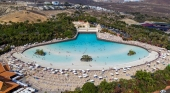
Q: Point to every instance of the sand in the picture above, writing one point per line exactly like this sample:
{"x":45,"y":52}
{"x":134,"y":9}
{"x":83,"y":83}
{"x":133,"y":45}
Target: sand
{"x":129,"y":21}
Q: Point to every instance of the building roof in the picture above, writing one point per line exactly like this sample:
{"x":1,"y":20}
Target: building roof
{"x":1,"y":84}
{"x":7,"y":68}
{"x":4,"y":73}
{"x":8,"y":87}
{"x":2,"y":69}
{"x":7,"y":74}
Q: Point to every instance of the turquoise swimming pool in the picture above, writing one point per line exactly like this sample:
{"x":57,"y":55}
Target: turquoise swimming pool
{"x":102,"y":52}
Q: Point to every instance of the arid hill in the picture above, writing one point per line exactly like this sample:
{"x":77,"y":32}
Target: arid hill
{"x":165,"y":2}
{"x":21,"y":16}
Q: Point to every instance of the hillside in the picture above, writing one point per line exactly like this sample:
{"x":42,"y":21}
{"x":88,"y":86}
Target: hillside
{"x":149,"y":7}
{"x":21,"y":16}
{"x":165,"y":2}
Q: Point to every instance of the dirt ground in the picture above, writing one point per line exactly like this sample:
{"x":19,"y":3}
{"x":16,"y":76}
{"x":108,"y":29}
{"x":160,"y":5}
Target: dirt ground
{"x":54,"y":12}
{"x":129,"y":21}
{"x":21,"y":16}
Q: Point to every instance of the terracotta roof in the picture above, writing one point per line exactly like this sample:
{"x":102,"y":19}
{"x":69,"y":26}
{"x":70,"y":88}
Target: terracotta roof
{"x":6,"y":85}
{"x":7,"y":68}
{"x":9,"y":86}
{"x":1,"y":84}
{"x":7,"y":74}
{"x":1,"y":68}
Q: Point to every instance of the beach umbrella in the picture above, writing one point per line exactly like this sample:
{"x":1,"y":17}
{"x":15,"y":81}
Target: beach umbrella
{"x":31,"y":67}
{"x":111,"y":74}
{"x":148,"y":64}
{"x":128,"y":68}
{"x":52,"y":69}
{"x":95,"y":75}
{"x":44,"y":69}
{"x":17,"y":64}
{"x":116,"y":73}
{"x":114,"y":68}
{"x":115,"y":78}
{"x":154,"y":68}
{"x":48,"y":67}
{"x":124,"y":68}
{"x":100,"y":77}
{"x":62,"y":72}
{"x":91,"y":80}
{"x":56,"y":70}
{"x":158,"y":61}
{"x":75,"y":73}
{"x":84,"y":76}
{"x":164,"y":57}
{"x":83,"y":70}
{"x":80,"y":76}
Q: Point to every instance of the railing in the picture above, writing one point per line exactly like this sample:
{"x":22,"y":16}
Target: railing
{"x":91,"y":29}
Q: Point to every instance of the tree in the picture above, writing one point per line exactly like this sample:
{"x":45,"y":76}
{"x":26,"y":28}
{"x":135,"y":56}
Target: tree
{"x":77,"y":90}
{"x":86,"y":58}
{"x":89,"y":88}
{"x":40,"y":52}
{"x":105,"y":87}
{"x":68,"y":34}
{"x":131,"y":52}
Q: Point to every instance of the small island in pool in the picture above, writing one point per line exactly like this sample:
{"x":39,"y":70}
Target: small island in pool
{"x":40,"y":52}
{"x":131,"y":52}
{"x":86,"y":58}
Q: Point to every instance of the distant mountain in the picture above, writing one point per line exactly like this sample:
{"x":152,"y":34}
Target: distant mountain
{"x":149,"y":7}
{"x":74,"y":1}
{"x":166,"y":2}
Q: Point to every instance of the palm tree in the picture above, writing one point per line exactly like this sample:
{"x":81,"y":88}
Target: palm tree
{"x":86,"y":58}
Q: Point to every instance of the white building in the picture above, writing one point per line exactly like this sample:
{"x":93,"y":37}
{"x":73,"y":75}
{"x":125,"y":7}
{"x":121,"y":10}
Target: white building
{"x":55,"y":2}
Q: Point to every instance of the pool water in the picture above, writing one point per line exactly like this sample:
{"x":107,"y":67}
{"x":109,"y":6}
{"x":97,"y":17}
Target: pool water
{"x":102,"y":52}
